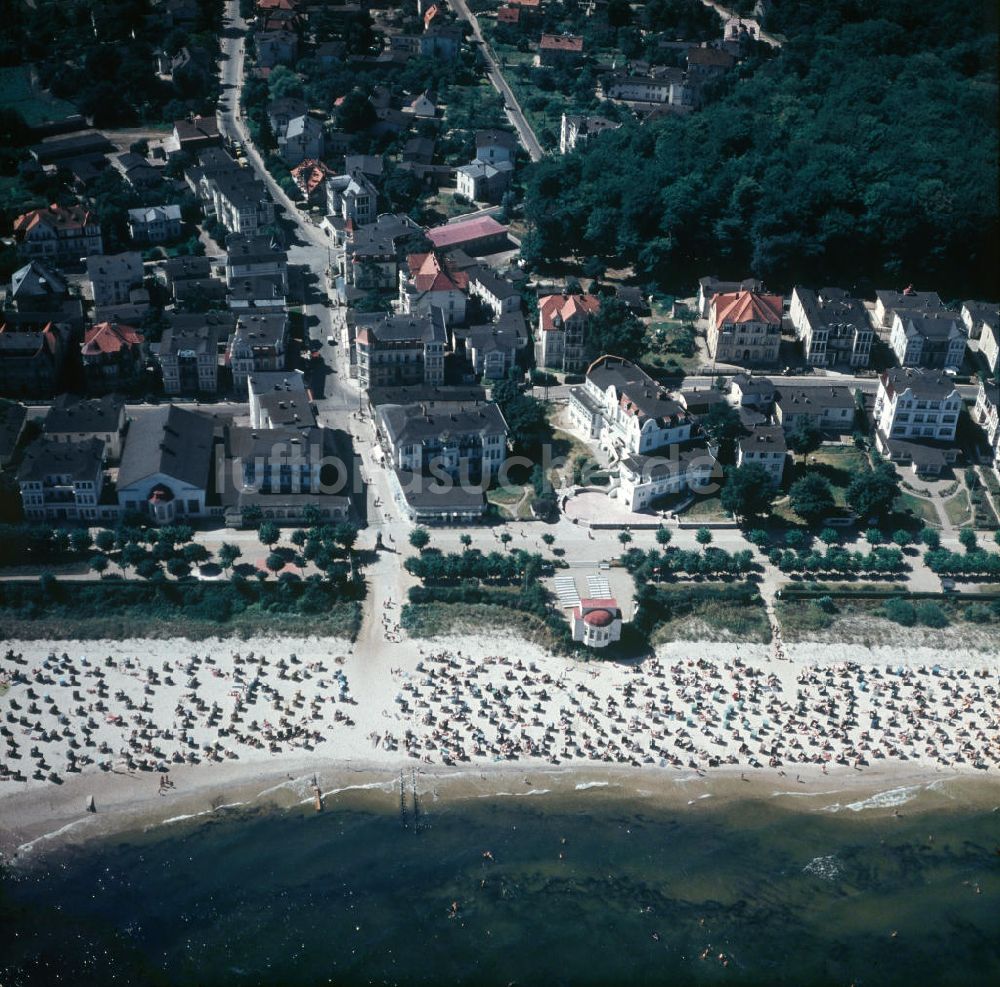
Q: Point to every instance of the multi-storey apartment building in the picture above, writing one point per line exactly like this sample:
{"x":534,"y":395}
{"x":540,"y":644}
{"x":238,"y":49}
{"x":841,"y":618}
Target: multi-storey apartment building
{"x":257,"y":344}
{"x":462,"y":440}
{"x":987,"y":414}
{"x":744,"y":328}
{"x":73,"y":419}
{"x":766,"y":447}
{"x":916,"y":415}
{"x":352,"y":197}
{"x":113,"y":277}
{"x":562,"y":320}
{"x":402,"y":350}
{"x":189,"y":352}
{"x":431,"y":281}
{"x":915,"y":403}
{"x":833,"y":327}
{"x":935,"y":340}
{"x":58,"y":233}
{"x":62,"y":481}
{"x":626,"y":410}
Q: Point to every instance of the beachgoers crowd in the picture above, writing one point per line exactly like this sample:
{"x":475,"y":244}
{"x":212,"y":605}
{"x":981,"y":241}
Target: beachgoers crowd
{"x":63,"y":715}
{"x":696,"y":714}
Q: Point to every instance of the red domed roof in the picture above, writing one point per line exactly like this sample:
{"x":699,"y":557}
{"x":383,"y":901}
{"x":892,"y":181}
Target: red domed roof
{"x":599,"y":618}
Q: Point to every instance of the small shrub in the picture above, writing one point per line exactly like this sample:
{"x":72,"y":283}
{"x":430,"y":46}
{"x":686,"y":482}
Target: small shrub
{"x":900,"y":612}
{"x":930,"y":614}
{"x":977,"y":613}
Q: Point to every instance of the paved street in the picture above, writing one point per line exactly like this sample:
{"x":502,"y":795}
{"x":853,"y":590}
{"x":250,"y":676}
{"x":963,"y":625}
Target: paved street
{"x":493,"y":73}
{"x":310,"y":252}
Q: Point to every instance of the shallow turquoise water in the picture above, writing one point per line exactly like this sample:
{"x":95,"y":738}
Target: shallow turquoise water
{"x":351,"y":897}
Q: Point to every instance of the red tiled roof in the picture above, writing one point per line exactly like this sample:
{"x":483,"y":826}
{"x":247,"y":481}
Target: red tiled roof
{"x":747,"y":306}
{"x":429,"y":274}
{"x":109,"y":337}
{"x":561,"y":42}
{"x":508,"y":15}
{"x":566,"y":306}
{"x":277,"y":4}
{"x":58,"y":217}
{"x":526,"y":3}
{"x":597,"y":611}
{"x":469,"y":229}
{"x":429,"y":15}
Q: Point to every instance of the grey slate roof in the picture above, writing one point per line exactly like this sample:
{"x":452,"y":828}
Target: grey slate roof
{"x":36,"y":279}
{"x":12,"y":419}
{"x":648,"y":397}
{"x":413,"y":424}
{"x":679,"y":460}
{"x":434,"y":397}
{"x":72,"y":414}
{"x":492,"y":282}
{"x":932,"y":325}
{"x":246,"y":248}
{"x":832,"y":307}
{"x":752,"y":384}
{"x":185,"y":268}
{"x":424,"y":492}
{"x":172,"y":441}
{"x":401,"y":328}
{"x":262,"y":328}
{"x":926,"y":385}
{"x":814,"y":400}
{"x":193,"y":331}
{"x":45,"y":457}
{"x":284,"y":397}
{"x":502,"y":138}
{"x":766,"y":438}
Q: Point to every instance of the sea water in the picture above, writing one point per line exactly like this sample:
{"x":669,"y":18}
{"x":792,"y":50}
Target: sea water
{"x":586,"y":887}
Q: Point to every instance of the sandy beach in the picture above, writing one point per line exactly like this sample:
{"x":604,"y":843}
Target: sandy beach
{"x":160,"y":730}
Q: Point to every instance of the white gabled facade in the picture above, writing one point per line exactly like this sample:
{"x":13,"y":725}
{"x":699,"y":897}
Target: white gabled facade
{"x":644,"y":479}
{"x":917,"y":404}
{"x":987,"y":415}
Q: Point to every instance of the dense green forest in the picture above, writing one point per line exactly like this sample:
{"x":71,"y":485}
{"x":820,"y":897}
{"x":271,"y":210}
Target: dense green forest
{"x":98,"y":55}
{"x":864,"y":153}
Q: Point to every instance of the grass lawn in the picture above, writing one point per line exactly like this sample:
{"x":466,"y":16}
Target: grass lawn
{"x":447,"y":203}
{"x":921,"y":509}
{"x":705,"y":508}
{"x":505,"y":496}
{"x":510,"y":501}
{"x":958,"y":509}
{"x":36,"y":106}
{"x":838,"y":463}
{"x":671,"y":342}
{"x":566,"y":447}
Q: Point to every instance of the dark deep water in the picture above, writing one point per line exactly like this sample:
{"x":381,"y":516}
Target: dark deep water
{"x":350,"y":897}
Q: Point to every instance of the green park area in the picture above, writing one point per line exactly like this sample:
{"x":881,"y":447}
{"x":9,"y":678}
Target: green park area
{"x":34,"y":104}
